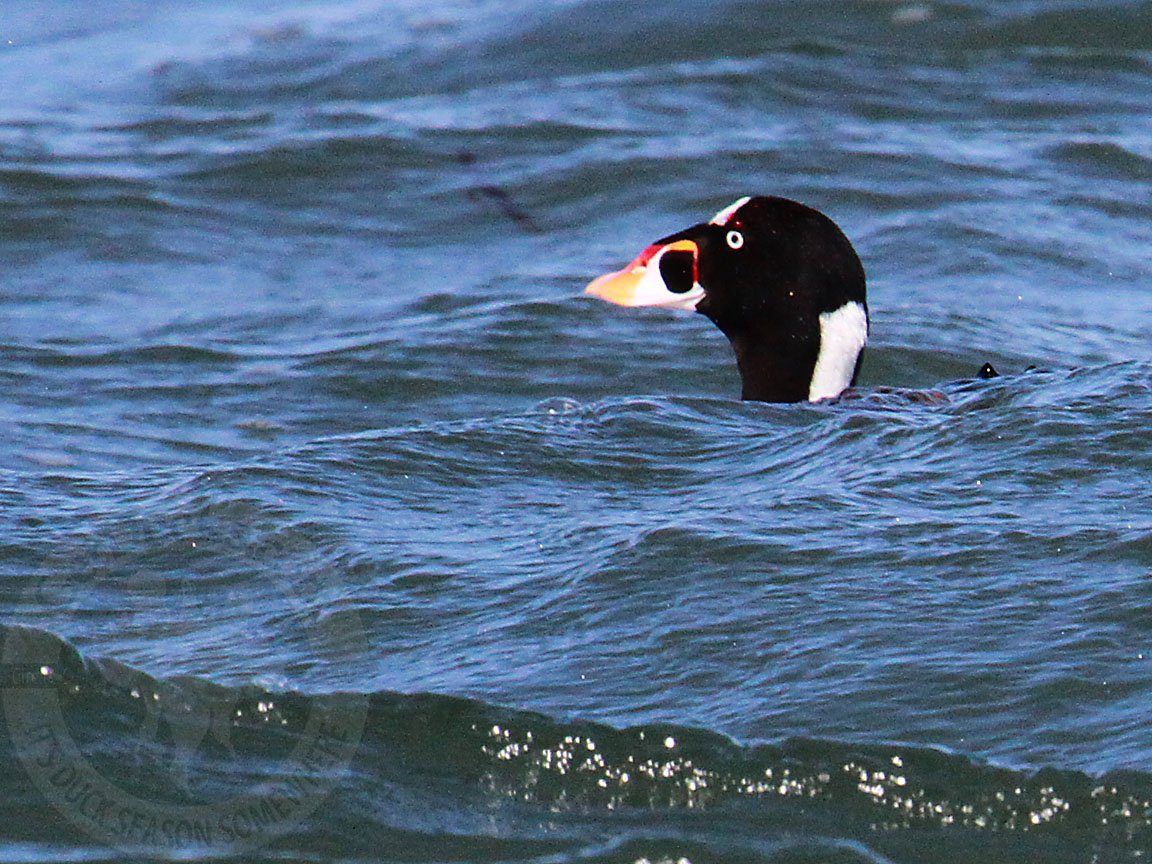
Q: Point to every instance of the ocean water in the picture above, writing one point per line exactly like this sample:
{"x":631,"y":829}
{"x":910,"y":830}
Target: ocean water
{"x":339,"y":525}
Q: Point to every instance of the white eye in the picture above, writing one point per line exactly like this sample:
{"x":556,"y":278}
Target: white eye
{"x":735,"y":239}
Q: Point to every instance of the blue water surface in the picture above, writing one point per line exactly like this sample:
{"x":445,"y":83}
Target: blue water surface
{"x":338,"y":524}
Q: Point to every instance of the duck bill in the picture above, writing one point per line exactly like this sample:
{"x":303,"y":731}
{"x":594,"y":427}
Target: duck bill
{"x":621,"y":287}
{"x":641,"y":282}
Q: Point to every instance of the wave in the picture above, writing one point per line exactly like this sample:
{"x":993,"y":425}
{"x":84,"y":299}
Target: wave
{"x":108,"y":744}
{"x":385,"y":53}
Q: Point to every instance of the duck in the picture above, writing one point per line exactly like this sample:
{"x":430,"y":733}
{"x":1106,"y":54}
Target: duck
{"x":778,"y":278}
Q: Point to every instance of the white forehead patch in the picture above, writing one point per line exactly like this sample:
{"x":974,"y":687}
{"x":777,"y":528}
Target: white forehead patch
{"x":842,"y":337}
{"x":728,"y":212}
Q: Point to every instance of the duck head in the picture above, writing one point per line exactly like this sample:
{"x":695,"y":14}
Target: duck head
{"x":779,"y":279}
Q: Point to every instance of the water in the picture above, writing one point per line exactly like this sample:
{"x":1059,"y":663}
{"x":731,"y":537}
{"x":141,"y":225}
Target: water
{"x":337,"y":524}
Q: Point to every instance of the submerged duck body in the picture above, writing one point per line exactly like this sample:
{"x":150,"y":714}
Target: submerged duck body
{"x":778,"y":278}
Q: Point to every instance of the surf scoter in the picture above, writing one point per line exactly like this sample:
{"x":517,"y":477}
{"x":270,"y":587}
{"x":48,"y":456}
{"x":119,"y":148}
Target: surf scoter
{"x":778,"y":278}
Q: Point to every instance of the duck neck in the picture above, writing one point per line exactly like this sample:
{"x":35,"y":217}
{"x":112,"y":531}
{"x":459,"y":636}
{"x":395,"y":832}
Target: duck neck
{"x":774,"y":366}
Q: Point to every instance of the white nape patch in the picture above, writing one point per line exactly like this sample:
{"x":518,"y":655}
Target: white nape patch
{"x":842,"y":337}
{"x":651,"y":290}
{"x":728,"y":212}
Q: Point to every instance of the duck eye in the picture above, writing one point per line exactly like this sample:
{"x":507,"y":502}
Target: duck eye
{"x":735,"y":239}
